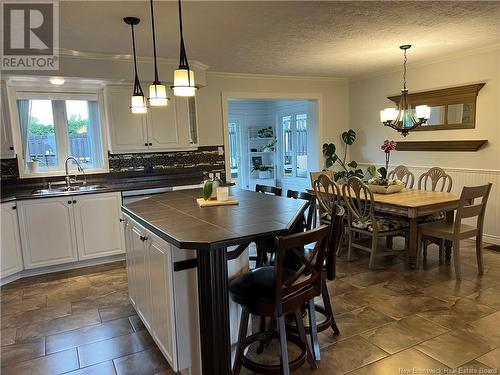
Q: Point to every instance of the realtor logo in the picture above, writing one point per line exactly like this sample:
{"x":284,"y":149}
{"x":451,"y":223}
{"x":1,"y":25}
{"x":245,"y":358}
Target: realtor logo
{"x":30,"y":35}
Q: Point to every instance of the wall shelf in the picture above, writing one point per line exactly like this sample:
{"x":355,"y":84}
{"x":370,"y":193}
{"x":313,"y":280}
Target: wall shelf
{"x":467,"y":145}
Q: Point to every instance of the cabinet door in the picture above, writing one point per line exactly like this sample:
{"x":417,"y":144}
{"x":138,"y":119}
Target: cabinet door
{"x":11,"y":258}
{"x":162,"y":297}
{"x":127,"y":131}
{"x":163,"y":133}
{"x":97,"y":221}
{"x":141,"y":268}
{"x":183,"y":121}
{"x":127,"y":224}
{"x":6,"y":142}
{"x":47,"y":231}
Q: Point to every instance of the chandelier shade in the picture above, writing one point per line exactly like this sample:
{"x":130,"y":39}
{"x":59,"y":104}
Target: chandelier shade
{"x":184,"y":76}
{"x":138,"y":101}
{"x":404,"y":118}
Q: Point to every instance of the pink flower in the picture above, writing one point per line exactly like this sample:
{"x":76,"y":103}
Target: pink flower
{"x":388,"y":146}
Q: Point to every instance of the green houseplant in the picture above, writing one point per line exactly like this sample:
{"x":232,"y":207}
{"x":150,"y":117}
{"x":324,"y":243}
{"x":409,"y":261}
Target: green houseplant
{"x":348,"y":169}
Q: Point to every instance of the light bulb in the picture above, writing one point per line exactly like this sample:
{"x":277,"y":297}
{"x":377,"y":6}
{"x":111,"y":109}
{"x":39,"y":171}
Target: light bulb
{"x":388,"y":114}
{"x":158,"y":95}
{"x":182,"y":85}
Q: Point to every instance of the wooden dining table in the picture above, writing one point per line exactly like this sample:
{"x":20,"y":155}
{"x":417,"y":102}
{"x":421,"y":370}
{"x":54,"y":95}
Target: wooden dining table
{"x":414,"y":204}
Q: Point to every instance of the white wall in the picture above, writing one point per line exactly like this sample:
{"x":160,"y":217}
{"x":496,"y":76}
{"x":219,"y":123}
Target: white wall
{"x":368,"y":97}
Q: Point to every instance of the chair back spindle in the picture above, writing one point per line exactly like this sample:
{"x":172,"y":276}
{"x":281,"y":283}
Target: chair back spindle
{"x":402,"y":173}
{"x":438,"y":179}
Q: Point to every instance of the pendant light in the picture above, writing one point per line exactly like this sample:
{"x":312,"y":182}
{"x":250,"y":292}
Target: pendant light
{"x":138,"y":103}
{"x":403,"y":119}
{"x":183,"y":77}
{"x":157,"y":91}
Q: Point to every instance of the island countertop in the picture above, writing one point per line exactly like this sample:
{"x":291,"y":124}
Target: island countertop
{"x":176,"y":217}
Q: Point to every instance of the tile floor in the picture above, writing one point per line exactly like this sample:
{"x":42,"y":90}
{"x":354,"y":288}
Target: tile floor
{"x":392,"y":321}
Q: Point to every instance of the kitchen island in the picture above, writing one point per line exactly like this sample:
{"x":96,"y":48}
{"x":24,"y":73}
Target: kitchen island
{"x":167,"y":236}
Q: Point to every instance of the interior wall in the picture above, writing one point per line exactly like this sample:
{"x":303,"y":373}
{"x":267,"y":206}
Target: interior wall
{"x":368,"y":97}
{"x":334,"y":114}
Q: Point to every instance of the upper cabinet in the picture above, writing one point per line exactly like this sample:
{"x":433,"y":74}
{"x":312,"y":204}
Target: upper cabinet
{"x":6,"y":142}
{"x":161,"y":129}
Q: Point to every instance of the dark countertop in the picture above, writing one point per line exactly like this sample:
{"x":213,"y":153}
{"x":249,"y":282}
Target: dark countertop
{"x":22,"y":189}
{"x":177,"y":218}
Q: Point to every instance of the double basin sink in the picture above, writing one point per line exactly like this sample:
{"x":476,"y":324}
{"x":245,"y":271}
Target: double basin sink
{"x":68,"y":190}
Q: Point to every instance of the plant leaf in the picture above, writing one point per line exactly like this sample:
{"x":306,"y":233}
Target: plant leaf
{"x":383,"y":172}
{"x":372,"y":170}
{"x":349,"y":137}
{"x":359,"y":173}
{"x":339,"y":175}
{"x":353,"y":164}
{"x":329,"y":162}
{"x":329,"y":149}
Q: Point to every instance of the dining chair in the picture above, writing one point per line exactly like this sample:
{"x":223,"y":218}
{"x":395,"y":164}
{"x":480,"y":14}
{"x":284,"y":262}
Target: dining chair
{"x":435,"y":179}
{"x":272,"y":190}
{"x":402,"y":173}
{"x":456,"y":231}
{"x":308,"y":219}
{"x":362,"y":220}
{"x":314,"y":175}
{"x":275,"y":291}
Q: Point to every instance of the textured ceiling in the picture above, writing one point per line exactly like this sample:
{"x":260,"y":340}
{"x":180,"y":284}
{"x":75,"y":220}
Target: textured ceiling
{"x":322,"y":38}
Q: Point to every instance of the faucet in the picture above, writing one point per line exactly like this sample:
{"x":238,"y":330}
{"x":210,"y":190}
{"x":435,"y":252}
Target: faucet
{"x":80,"y":168}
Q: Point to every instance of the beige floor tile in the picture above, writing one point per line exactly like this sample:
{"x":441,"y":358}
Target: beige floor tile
{"x":452,"y":289}
{"x":8,"y":336}
{"x":401,"y":334}
{"x":57,"y":363}
{"x":22,"y":351}
{"x":104,"y":368}
{"x":149,"y":361}
{"x":487,"y":328}
{"x":455,"y":348}
{"x":488,"y":296}
{"x":491,"y":359}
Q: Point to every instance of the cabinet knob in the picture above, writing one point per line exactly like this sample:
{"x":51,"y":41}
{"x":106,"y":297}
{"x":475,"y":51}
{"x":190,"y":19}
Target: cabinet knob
{"x":14,"y":207}
{"x":150,"y":144}
{"x":145,"y":144}
{"x":74,"y":201}
{"x":69,"y":202}
{"x":11,"y":148}
{"x":122,"y":220}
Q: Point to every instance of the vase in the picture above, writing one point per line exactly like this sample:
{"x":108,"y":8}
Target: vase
{"x":385,"y":189}
{"x":32,"y":166}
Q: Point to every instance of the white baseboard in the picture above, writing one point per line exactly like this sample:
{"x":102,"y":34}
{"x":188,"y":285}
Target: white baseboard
{"x":61,"y":267}
{"x":494,"y":240}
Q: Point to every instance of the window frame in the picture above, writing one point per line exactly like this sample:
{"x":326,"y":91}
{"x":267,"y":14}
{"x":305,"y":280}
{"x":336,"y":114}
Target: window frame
{"x":42,"y":92}
{"x":294,"y":134}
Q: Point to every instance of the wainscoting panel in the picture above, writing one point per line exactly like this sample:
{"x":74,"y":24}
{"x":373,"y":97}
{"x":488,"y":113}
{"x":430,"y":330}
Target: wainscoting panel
{"x":471,"y":177}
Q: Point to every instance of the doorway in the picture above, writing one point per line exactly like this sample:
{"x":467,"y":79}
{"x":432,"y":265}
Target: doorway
{"x":271,"y":141}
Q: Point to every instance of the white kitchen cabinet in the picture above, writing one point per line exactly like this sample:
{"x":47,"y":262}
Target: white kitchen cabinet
{"x":71,"y":228}
{"x":6,"y":142}
{"x":127,"y":131}
{"x":97,"y":222}
{"x":10,"y":242}
{"x":127,"y":225}
{"x":47,"y":231}
{"x":162,"y":129}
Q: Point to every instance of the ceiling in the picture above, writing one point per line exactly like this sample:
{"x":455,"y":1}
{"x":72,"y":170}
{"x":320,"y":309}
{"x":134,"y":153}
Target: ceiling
{"x":307,"y":38}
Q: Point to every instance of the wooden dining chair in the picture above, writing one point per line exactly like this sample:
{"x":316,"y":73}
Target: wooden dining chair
{"x":308,"y":220}
{"x":435,"y":179}
{"x":272,"y":190}
{"x":275,"y":291}
{"x":456,"y":231}
{"x":402,"y":173}
{"x":314,"y":175}
{"x":362,"y":220}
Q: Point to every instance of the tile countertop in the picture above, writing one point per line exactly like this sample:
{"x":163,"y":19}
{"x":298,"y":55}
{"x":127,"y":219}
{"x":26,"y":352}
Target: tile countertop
{"x":18,"y":191}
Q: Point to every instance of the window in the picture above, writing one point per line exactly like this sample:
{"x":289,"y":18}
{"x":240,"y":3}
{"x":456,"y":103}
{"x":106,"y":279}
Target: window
{"x":234,"y":148}
{"x":55,"y":126}
{"x":294,"y":148}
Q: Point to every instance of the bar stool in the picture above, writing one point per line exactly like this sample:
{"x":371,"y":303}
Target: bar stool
{"x":275,"y":291}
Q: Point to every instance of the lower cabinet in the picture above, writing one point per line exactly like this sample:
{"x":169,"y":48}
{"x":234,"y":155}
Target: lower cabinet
{"x":10,"y":242}
{"x":71,"y":228}
{"x":166,"y":301}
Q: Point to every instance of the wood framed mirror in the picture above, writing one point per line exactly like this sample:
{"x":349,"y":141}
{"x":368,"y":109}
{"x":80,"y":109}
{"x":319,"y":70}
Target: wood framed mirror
{"x":451,"y":108}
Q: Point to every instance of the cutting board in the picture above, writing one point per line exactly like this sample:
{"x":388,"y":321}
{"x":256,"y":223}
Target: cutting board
{"x":212,"y":203}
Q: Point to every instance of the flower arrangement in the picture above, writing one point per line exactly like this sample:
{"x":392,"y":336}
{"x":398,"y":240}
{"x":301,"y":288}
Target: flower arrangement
{"x":382,"y":180}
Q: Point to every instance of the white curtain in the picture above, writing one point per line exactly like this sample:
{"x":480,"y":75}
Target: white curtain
{"x":94,"y":132}
{"x":23,"y":108}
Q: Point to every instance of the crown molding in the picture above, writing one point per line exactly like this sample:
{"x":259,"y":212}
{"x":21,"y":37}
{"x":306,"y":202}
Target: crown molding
{"x":429,"y":61}
{"x":215,"y":74}
{"x":74,"y":54}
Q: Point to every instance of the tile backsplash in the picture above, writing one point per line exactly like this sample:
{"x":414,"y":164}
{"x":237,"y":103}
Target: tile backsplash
{"x":205,"y":158}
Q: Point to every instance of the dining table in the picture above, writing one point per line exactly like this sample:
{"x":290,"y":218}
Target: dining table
{"x":414,"y":205}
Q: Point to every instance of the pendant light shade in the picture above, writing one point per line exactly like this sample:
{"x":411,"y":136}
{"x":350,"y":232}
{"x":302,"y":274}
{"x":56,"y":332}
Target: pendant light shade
{"x":157,"y":90}
{"x":405,"y":118}
{"x":184,"y":76}
{"x":138,"y":102}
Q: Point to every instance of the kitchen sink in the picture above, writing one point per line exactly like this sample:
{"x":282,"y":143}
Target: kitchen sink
{"x":68,"y":190}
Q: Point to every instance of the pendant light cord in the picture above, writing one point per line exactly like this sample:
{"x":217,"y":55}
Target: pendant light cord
{"x":137,"y":84}
{"x":183,"y":61}
{"x":154,"y":42}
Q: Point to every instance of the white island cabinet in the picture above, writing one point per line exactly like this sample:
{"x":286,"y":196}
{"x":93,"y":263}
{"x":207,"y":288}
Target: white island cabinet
{"x":11,"y":258}
{"x":70,"y":228}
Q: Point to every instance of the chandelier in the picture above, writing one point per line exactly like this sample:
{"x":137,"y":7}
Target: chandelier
{"x":404,"y":118}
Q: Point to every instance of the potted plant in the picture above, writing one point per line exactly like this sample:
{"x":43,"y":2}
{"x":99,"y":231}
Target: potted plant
{"x":266,"y":132}
{"x":264,"y":171}
{"x":348,"y":169}
{"x":32,"y":165}
{"x":381,"y":184}
{"x":270,"y":146}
